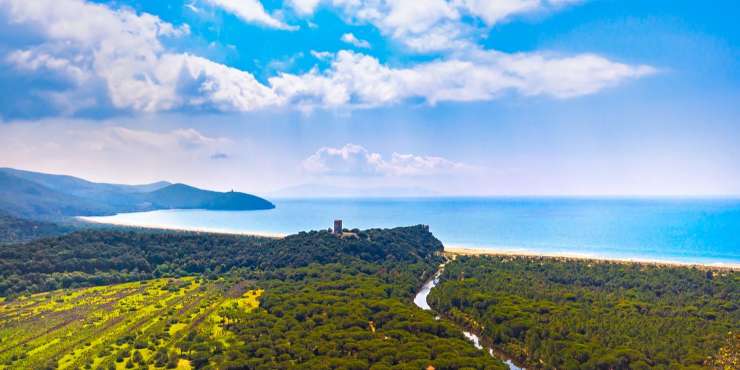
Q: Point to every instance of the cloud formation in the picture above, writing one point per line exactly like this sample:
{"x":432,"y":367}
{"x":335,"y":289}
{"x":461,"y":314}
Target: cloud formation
{"x":186,"y":139}
{"x":360,"y":80}
{"x":108,"y":151}
{"x":431,"y":25}
{"x":219,"y":156}
{"x":115,"y":61}
{"x":304,"y":7}
{"x":353,"y":40}
{"x":252,"y":11}
{"x":355,"y":160}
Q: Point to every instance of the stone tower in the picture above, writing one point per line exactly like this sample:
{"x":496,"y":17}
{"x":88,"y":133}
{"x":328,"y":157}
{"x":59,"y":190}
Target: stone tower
{"x":337,"y":227}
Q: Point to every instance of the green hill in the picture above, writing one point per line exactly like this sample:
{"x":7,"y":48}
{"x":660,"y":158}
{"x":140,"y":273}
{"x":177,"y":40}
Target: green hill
{"x":185,"y":196}
{"x":77,"y":259}
{"x":46,"y":196}
{"x":80,"y":187}
{"x":24,"y":198}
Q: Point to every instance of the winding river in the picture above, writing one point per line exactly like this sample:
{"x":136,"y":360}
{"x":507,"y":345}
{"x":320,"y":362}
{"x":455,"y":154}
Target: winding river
{"x":420,"y":300}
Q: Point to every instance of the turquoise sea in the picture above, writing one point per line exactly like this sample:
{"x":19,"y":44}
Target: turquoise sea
{"x":684,"y":230}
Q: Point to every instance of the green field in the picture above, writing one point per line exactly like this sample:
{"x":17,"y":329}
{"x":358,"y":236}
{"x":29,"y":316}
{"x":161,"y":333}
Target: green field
{"x":119,"y":326}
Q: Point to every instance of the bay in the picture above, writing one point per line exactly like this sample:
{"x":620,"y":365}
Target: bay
{"x":662,"y":229}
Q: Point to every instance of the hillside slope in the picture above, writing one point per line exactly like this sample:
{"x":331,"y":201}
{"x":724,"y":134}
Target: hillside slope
{"x":24,"y":198}
{"x":44,"y":196}
{"x":81,"y":187}
{"x":18,"y":230}
{"x":77,"y":259}
{"x":185,"y":196}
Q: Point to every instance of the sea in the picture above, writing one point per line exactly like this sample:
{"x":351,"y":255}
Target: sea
{"x":689,"y":230}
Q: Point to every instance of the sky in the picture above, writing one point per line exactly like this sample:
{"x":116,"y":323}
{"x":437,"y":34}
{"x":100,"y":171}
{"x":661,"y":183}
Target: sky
{"x":317,"y":97}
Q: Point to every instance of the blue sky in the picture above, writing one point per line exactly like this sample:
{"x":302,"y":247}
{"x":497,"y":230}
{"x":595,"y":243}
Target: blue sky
{"x":459,"y":97}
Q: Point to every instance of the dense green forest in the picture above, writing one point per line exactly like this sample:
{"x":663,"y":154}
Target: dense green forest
{"x":19,"y":230}
{"x":312,"y":300}
{"x":316,"y":300}
{"x":348,"y":316}
{"x":95,"y":257}
{"x":577,"y":314}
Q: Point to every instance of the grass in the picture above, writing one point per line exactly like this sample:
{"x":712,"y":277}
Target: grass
{"x":107,"y":327}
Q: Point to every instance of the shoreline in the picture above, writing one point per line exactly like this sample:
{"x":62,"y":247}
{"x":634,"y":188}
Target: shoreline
{"x":207,"y":230}
{"x":456,"y":250}
{"x":451,"y":249}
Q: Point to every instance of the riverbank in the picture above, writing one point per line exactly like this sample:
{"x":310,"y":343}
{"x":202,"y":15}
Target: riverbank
{"x":420,"y":300}
{"x":485,"y":251}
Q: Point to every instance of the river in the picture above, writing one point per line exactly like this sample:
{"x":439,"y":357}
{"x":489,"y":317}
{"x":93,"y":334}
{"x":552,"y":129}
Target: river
{"x":420,"y":300}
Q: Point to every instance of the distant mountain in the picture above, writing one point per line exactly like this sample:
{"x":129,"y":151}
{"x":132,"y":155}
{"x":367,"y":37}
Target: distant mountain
{"x":185,"y":196}
{"x":112,"y":194}
{"x":24,"y":198}
{"x":329,"y":191}
{"x":39,"y":195}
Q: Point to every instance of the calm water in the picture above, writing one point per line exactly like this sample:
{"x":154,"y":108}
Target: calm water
{"x":692,"y":230}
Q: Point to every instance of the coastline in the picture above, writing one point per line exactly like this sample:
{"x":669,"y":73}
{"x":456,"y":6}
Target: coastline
{"x":455,"y":250}
{"x":450,"y":249}
{"x":208,"y":230}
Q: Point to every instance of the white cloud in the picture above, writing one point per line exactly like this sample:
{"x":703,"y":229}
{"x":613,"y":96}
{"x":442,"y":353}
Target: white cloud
{"x":355,"y":160}
{"x":28,"y":60}
{"x":224,"y":88}
{"x":404,"y":21}
{"x":192,"y":7}
{"x":119,"y":54}
{"x":322,"y":55}
{"x":116,"y":137}
{"x":353,"y":40}
{"x":285,"y":63}
{"x":565,"y":77}
{"x":414,"y":165}
{"x":437,"y":25}
{"x":113,"y":151}
{"x":109,"y":151}
{"x":494,"y":11}
{"x":444,"y":37}
{"x":361,"y":80}
{"x":304,"y":7}
{"x":350,"y":159}
{"x":252,"y":11}
{"x":113,"y":50}
{"x":116,"y":58}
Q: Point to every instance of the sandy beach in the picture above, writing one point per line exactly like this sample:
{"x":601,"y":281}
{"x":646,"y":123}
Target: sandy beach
{"x":449,"y":249}
{"x":486,"y":251}
{"x":210,"y":230}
